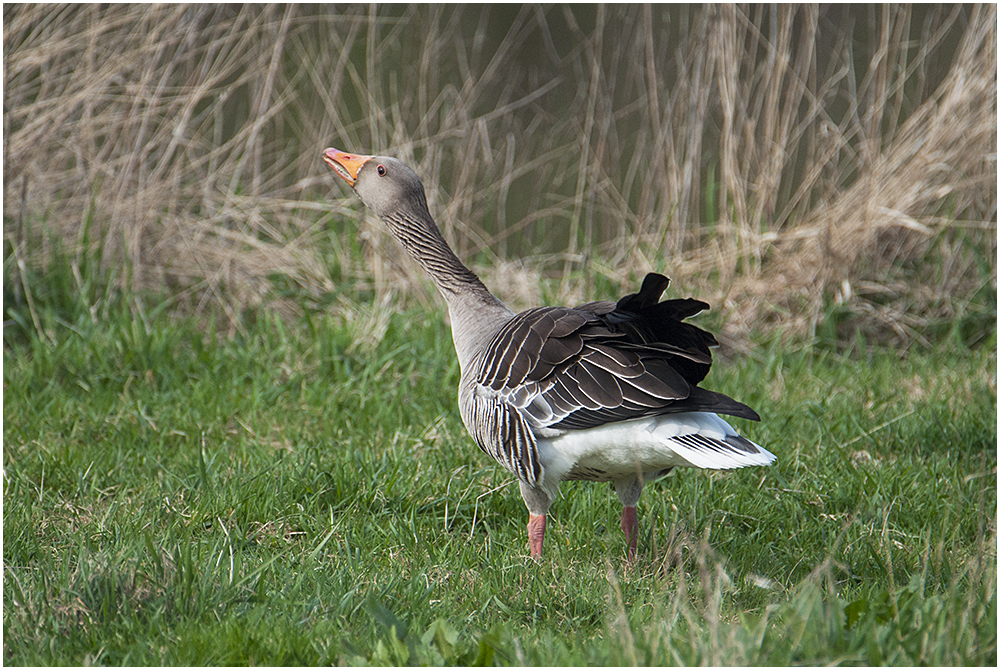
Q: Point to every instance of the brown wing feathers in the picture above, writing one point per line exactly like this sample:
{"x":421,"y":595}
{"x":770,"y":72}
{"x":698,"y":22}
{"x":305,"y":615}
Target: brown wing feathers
{"x":604,"y":361}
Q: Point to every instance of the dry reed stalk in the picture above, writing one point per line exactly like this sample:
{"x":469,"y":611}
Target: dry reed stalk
{"x":890,"y":211}
{"x":753,"y":153}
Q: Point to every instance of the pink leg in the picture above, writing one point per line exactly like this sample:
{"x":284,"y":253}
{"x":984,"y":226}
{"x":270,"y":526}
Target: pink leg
{"x":629,"y":522}
{"x":536,"y":534}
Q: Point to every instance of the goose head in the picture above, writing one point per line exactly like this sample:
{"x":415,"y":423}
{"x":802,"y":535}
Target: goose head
{"x":386,"y":185}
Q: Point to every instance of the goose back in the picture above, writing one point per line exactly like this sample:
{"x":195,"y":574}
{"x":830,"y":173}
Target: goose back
{"x":554,"y":369}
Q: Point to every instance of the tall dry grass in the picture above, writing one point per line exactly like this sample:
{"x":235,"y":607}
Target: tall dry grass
{"x":776,"y":159}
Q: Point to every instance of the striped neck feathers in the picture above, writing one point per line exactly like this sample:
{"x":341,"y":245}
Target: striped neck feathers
{"x":412,"y":224}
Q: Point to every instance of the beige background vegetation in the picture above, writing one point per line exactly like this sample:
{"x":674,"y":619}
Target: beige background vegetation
{"x":777,"y":161}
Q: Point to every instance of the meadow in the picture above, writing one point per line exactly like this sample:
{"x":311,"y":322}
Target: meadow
{"x":230,"y":432}
{"x":305,"y":493}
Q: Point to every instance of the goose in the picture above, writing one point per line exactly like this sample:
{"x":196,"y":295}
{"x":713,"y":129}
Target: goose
{"x":604,"y":391}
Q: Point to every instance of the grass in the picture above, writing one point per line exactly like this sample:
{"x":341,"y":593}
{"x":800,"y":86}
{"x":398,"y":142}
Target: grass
{"x":304,"y":493}
{"x":769,"y":156}
{"x":225,"y":444}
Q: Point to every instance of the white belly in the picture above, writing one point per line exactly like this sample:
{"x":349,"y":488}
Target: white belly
{"x":646,"y":446}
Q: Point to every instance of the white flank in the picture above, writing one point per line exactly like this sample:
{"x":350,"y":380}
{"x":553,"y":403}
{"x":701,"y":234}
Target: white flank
{"x":651,"y":444}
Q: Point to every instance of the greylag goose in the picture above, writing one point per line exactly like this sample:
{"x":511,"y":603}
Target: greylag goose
{"x":605,"y":391}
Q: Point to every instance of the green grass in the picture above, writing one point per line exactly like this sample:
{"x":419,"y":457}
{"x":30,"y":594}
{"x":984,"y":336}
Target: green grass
{"x":299,"y":495}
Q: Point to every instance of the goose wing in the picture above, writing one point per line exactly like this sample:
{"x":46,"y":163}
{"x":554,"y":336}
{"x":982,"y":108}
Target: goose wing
{"x":563,"y":368}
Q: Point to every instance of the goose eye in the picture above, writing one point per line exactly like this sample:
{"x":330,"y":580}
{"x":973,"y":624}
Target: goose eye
{"x":381,"y":170}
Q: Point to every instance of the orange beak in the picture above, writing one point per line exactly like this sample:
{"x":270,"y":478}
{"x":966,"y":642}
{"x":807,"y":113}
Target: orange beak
{"x":344,"y":164}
